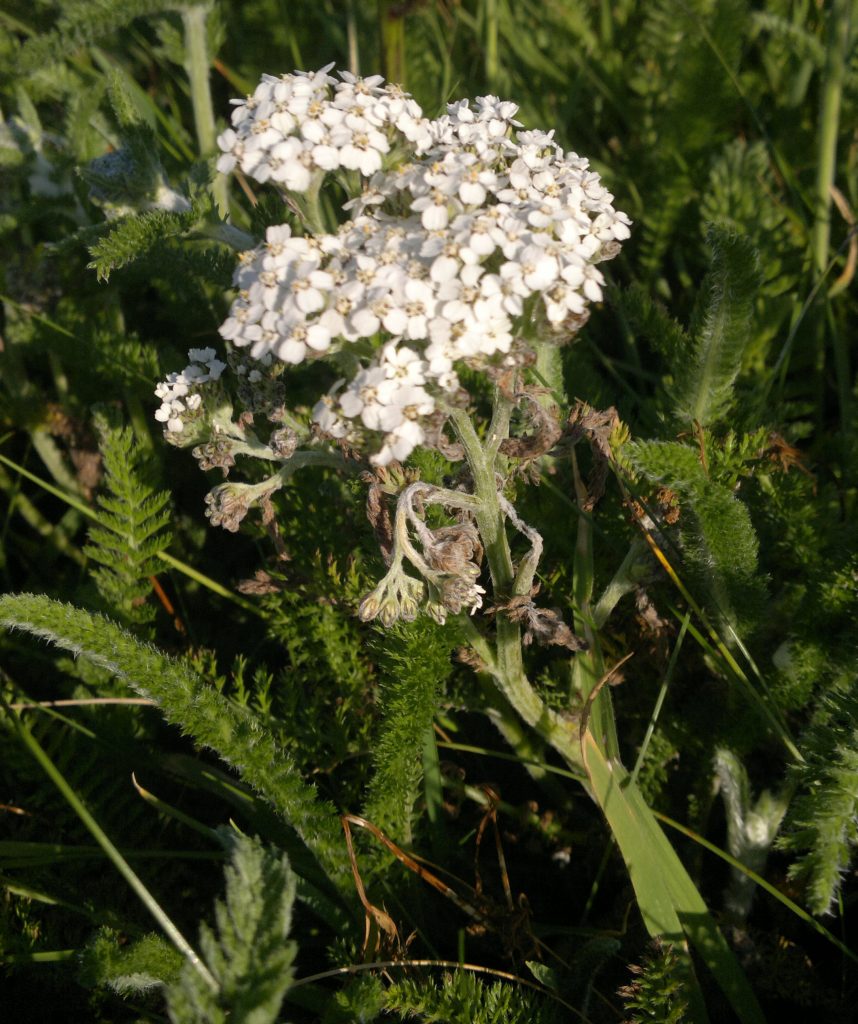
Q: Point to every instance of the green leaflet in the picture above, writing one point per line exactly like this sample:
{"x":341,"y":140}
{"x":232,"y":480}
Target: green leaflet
{"x":462,"y":998}
{"x":83,"y":23}
{"x":130,"y":531}
{"x":658,"y":991}
{"x":129,"y":970}
{"x":720,"y":542}
{"x":416,"y":660}
{"x":135,"y":235}
{"x":822,"y":824}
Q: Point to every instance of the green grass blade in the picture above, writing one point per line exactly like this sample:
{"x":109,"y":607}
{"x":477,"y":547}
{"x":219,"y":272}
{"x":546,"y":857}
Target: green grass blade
{"x":800,"y":912}
{"x":669,"y":901}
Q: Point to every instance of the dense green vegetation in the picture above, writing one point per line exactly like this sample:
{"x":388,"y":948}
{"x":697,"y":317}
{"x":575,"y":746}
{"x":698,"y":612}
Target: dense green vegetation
{"x":226,"y":797}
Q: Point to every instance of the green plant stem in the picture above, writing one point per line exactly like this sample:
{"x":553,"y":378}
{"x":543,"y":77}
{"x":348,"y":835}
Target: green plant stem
{"x":391,"y":24}
{"x":352,"y":38}
{"x":312,"y":207}
{"x":505,"y":663}
{"x":839,"y":18}
{"x":197,"y":64}
{"x":492,"y":61}
{"x":229,"y":234}
{"x":197,"y":67}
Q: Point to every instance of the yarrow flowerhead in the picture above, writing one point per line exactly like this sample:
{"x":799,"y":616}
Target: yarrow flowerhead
{"x":297,"y":127}
{"x":465,"y":243}
{"x":181,"y":394}
{"x":469,"y":239}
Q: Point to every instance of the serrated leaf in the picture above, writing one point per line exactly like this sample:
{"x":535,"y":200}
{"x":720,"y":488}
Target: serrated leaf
{"x":247,"y":953}
{"x":703,"y":388}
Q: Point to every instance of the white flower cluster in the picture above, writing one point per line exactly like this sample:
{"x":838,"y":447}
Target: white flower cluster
{"x":480,"y":236}
{"x":178,"y":392}
{"x":296,"y":126}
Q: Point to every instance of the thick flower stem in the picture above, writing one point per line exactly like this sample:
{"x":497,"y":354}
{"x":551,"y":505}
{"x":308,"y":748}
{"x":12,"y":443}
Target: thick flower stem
{"x":505,"y":663}
{"x":197,"y":62}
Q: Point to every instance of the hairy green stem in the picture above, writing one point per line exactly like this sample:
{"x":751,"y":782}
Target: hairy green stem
{"x":505,"y":663}
{"x":197,"y":63}
{"x":229,"y":234}
{"x":391,"y":24}
{"x":492,"y":33}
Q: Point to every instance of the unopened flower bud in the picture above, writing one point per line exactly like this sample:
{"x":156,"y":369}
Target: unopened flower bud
{"x":228,"y":504}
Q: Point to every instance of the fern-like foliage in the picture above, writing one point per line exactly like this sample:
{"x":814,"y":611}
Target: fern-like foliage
{"x":415,"y":662}
{"x":704,"y":361}
{"x":687,"y":54}
{"x":235,"y":733}
{"x":657,"y":994}
{"x":248,"y":954}
{"x":743,"y":197}
{"x":720,"y":329}
{"x":82,"y":23}
{"x":134,"y":236}
{"x":650,"y":319}
{"x":719,"y":540}
{"x":822,"y":825}
{"x":668,"y":205}
{"x":131,"y":528}
{"x":462,"y":998}
{"x":146,"y":964}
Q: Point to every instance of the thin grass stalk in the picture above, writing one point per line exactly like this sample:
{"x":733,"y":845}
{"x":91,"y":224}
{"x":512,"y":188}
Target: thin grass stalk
{"x":113,"y":854}
{"x":352,"y":38}
{"x":831,"y":94}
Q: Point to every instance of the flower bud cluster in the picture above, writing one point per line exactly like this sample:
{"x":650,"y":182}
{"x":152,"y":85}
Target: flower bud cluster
{"x":457,"y":253}
{"x":449,"y":564}
{"x":180,"y":394}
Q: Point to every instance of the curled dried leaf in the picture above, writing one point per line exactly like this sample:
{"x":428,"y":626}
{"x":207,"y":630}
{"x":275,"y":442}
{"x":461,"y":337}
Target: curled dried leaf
{"x":544,"y":625}
{"x":262,"y":583}
{"x":378,"y":514}
{"x":436,"y":438}
{"x":545,"y":427}
{"x":283,"y":442}
{"x":595,"y":426}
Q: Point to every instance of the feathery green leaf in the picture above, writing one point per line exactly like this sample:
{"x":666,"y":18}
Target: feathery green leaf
{"x":131,"y":528}
{"x":146,"y":964}
{"x":703,"y":386}
{"x":248,"y":953}
{"x":720,"y":543}
{"x":822,"y":824}
{"x":236,"y":734}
